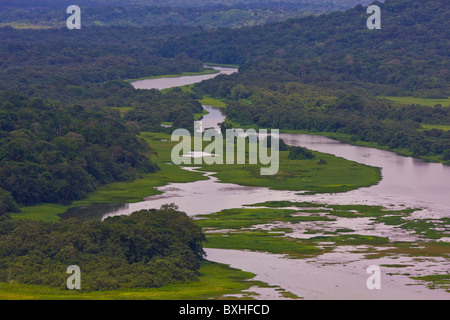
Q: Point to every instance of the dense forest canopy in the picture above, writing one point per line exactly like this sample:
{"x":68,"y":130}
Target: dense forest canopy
{"x":409,"y":54}
{"x":305,"y":107}
{"x":54,"y":153}
{"x":59,"y":137}
{"x":334,"y":54}
{"x":70,"y":122}
{"x":151,"y":13}
{"x":147,"y":249}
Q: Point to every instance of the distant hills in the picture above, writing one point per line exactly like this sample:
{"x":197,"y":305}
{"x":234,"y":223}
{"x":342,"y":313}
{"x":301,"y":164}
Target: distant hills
{"x":342,"y":4}
{"x":409,"y":55}
{"x":140,"y":13}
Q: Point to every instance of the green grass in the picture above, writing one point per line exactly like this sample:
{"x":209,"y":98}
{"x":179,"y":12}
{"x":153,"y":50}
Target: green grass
{"x":25,"y":25}
{"x":215,"y":281}
{"x":338,"y":175}
{"x":231,"y":231}
{"x":45,"y":212}
{"x":420,"y":101}
{"x":214,"y":102}
{"x":242,"y":238}
{"x":430,"y":229}
{"x":199,"y":116}
{"x":435,"y":126}
{"x":122,"y":110}
{"x":237,"y":228}
{"x":283,"y":204}
{"x":351,"y":239}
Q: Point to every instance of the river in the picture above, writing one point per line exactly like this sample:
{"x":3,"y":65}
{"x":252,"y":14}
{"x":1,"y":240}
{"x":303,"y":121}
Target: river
{"x":341,"y":274}
{"x":165,"y":83}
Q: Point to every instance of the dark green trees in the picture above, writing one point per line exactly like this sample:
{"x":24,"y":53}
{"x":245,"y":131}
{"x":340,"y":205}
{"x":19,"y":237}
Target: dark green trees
{"x":144,"y":250}
{"x":50,"y":153}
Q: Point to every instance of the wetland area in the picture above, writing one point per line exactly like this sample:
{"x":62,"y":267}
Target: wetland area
{"x":312,"y":231}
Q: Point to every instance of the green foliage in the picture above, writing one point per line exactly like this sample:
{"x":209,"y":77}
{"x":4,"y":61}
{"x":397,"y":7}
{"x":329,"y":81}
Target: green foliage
{"x":144,"y":250}
{"x":58,"y":64}
{"x":53,"y":154}
{"x":295,"y":106}
{"x":174,"y":106}
{"x":170,"y":3}
{"x":208,"y":14}
{"x":62,"y":148}
{"x":408,"y":56}
{"x":300,"y":153}
{"x":7,"y":203}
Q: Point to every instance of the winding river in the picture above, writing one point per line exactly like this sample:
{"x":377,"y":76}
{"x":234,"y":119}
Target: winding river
{"x":406,"y":182}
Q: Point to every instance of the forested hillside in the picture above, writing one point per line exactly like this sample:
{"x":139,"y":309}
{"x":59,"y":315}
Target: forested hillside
{"x":173,"y":3}
{"x":208,"y":14}
{"x":49,"y":63}
{"x":82,"y":71}
{"x":312,"y":109}
{"x":408,"y":56}
{"x":59,"y":137}
{"x":145,"y":250}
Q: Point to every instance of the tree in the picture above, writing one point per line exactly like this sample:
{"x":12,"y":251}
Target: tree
{"x":300,"y":153}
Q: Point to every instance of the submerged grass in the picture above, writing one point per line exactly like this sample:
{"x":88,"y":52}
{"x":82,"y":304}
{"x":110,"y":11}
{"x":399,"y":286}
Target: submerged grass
{"x":259,"y":229}
{"x":123,"y":192}
{"x":435,"y":126}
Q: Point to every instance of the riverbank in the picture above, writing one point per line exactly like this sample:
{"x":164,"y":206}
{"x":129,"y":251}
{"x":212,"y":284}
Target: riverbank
{"x":332,"y":243}
{"x":347,"y":138}
{"x":206,"y":71}
{"x":337,"y":175}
